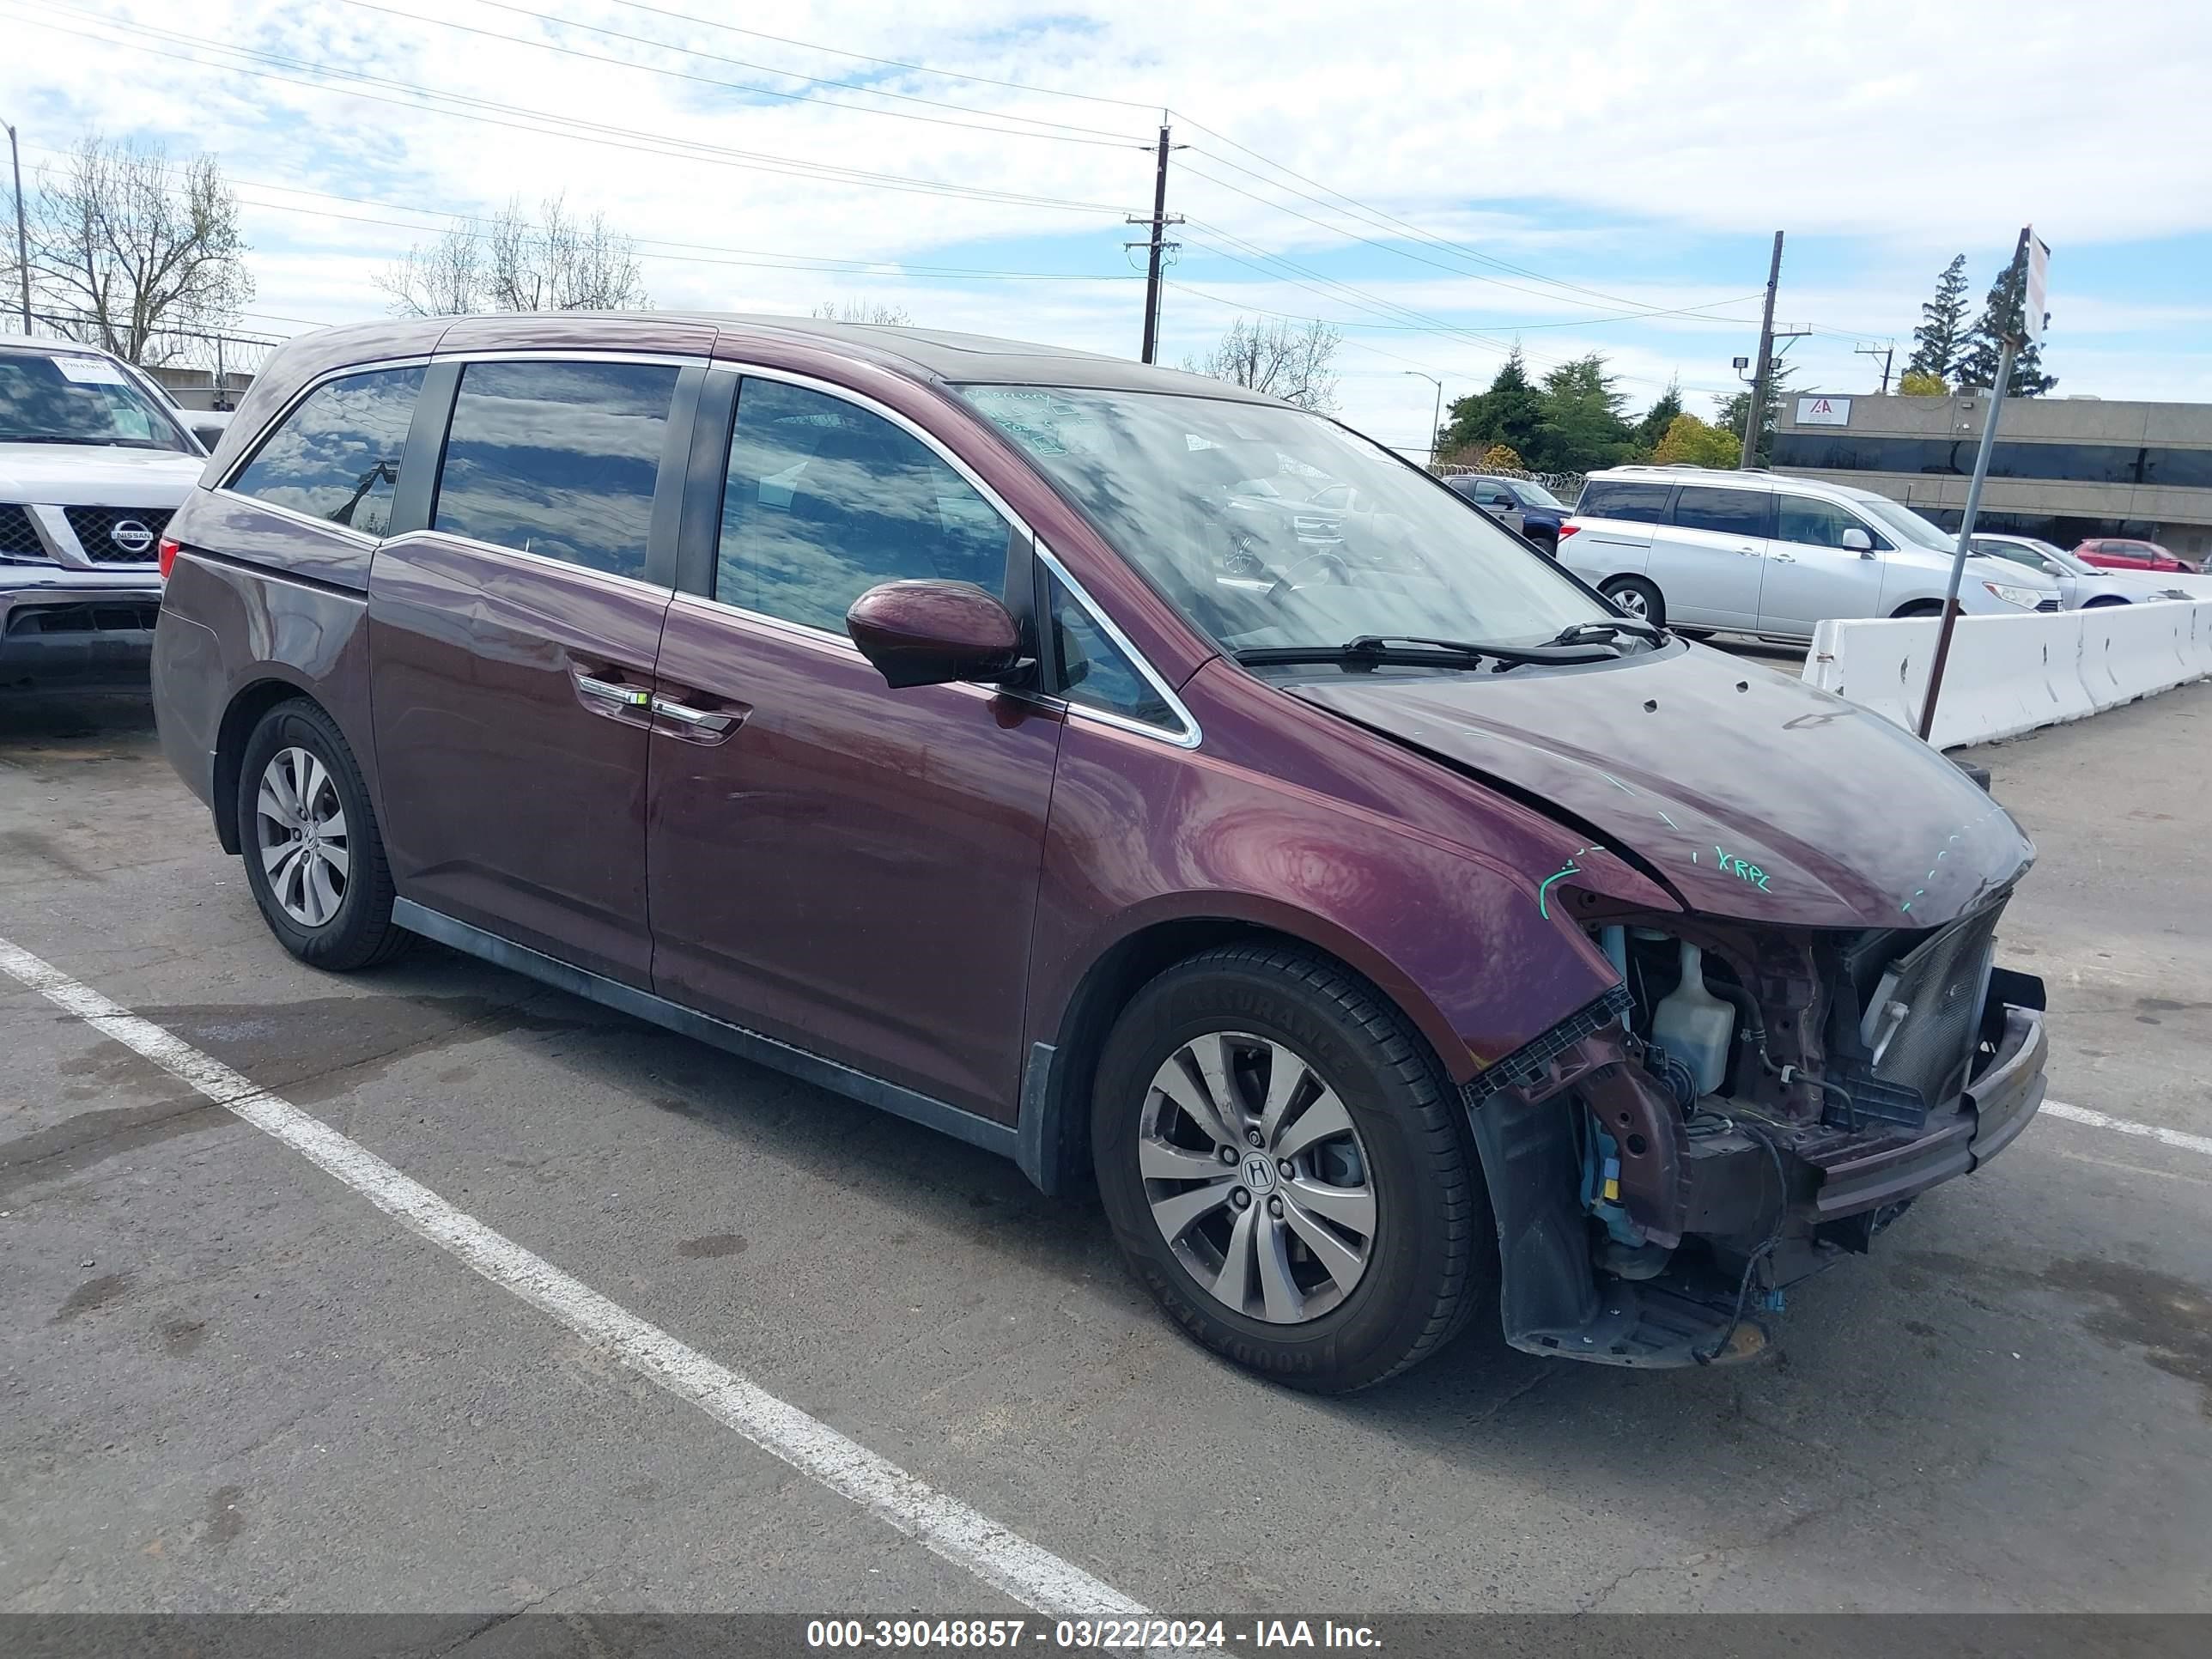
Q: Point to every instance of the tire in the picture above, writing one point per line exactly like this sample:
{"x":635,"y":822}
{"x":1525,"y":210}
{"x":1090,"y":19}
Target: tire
{"x":2103,"y":601}
{"x":1635,"y":596}
{"x":1918,"y":608}
{"x":340,"y":921}
{"x":1428,"y":1260}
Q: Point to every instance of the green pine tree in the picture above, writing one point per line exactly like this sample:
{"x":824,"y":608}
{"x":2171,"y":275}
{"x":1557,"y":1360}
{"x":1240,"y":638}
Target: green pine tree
{"x":2001,"y":315}
{"x":1657,"y":418}
{"x":1509,"y":413}
{"x":1941,"y":335}
{"x":1582,"y":427}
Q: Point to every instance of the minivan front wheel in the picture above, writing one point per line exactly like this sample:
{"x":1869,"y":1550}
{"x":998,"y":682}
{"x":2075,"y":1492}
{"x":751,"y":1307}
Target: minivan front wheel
{"x":314,"y":859}
{"x":1282,"y":1166}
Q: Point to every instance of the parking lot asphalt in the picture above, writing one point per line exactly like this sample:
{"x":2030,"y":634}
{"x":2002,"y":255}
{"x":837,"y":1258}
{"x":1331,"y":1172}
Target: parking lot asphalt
{"x":228,"y":1381}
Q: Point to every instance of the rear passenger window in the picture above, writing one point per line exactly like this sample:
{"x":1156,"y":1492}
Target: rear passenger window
{"x":822,"y":500}
{"x":1094,"y":671}
{"x":337,"y":456}
{"x":1730,"y":512}
{"x":1638,"y":503}
{"x":1812,"y":522}
{"x":557,"y":458}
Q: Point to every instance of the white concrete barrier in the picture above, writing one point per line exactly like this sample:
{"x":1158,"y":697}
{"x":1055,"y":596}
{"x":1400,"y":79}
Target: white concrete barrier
{"x":2007,"y":675}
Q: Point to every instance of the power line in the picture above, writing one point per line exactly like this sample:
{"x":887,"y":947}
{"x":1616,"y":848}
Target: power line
{"x":766,"y":259}
{"x":1068,"y":134}
{"x":626,"y":138}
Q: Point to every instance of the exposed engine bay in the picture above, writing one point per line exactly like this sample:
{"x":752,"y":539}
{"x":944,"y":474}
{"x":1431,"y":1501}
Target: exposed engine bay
{"x":1748,"y":1107}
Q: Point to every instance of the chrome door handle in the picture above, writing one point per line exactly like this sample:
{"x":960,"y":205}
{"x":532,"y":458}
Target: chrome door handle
{"x":696,"y":720}
{"x":629,"y":696}
{"x":1783,"y":558}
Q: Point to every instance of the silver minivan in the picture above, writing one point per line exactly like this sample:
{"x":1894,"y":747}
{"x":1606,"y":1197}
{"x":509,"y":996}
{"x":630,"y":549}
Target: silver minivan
{"x":1755,"y":553}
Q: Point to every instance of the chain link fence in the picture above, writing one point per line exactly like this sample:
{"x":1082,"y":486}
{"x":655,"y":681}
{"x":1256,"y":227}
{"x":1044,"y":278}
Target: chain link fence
{"x":1567,"y":486}
{"x":192,"y":363}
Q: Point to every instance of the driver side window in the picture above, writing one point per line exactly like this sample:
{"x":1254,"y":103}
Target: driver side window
{"x":822,"y":500}
{"x":1812,"y":522}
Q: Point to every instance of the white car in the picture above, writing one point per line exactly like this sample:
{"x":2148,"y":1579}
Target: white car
{"x":93,"y":461}
{"x":2081,"y":585}
{"x":1758,"y":553}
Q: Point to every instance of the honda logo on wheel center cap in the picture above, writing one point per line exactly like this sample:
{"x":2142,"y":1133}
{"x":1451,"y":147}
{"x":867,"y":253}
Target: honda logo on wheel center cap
{"x":131,"y":536}
{"x":1260,"y":1173}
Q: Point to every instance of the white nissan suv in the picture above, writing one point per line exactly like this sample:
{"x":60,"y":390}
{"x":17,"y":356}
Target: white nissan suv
{"x":94,"y":458}
{"x":1759,"y":553}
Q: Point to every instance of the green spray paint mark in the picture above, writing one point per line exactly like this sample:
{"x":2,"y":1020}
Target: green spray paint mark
{"x":1543,"y":887}
{"x":1736,"y":866}
{"x":1543,"y":909}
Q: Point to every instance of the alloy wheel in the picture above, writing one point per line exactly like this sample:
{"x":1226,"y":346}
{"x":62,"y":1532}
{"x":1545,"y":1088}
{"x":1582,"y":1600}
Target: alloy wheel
{"x":1256,"y":1177}
{"x":1632,"y":600}
{"x":299,"y":829}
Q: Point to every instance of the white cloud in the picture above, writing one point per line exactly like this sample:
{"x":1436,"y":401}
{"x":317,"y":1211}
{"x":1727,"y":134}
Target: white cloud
{"x":1586,"y":141}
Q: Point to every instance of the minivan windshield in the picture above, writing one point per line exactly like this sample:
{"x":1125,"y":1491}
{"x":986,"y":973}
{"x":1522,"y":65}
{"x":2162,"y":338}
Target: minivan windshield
{"x":1908,"y":525}
{"x":1170,"y":481}
{"x":78,"y":398}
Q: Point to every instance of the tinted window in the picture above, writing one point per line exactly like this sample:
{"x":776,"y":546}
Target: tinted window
{"x":337,"y":456}
{"x":1617,"y":498}
{"x":1817,"y":524}
{"x":1730,"y":512}
{"x":558,"y":459}
{"x":823,"y":500}
{"x":1094,"y":671}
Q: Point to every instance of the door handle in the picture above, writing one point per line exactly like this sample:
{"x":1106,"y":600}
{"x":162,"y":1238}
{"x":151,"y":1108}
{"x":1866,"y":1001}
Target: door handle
{"x":705,"y":722}
{"x":1783,"y":558}
{"x":613,"y":691}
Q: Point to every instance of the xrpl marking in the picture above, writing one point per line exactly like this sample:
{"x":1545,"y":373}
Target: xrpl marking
{"x":943,"y":1524}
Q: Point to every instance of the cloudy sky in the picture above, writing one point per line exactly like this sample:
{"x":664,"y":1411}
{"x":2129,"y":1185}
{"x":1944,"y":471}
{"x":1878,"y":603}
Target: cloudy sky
{"x":1437,"y":185}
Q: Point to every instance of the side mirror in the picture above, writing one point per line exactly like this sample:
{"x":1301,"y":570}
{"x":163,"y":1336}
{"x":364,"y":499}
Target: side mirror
{"x":931,"y":633}
{"x":210,"y":434}
{"x":1857,"y":541}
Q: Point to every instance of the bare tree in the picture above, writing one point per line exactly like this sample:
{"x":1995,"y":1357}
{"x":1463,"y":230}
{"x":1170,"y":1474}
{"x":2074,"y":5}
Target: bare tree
{"x":1277,"y":358}
{"x":863,"y":311}
{"x":445,"y":279}
{"x":125,"y":247}
{"x":558,"y":262}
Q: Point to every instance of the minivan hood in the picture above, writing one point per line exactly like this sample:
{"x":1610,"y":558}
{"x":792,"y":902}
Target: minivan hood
{"x":1748,"y":794}
{"x":85,"y":475}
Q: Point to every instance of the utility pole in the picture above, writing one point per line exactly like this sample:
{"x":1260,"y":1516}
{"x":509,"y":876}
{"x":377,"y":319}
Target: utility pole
{"x":23,"y":239}
{"x":1884,"y":352}
{"x":1436,"y":424}
{"x":1159,"y":221}
{"x":1756,"y":418}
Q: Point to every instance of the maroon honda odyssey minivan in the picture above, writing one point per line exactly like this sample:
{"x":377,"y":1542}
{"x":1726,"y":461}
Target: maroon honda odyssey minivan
{"x":1140,"y":778}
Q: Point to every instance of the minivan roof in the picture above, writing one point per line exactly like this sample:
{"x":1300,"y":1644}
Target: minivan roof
{"x":931,"y":354}
{"x":1741,"y":478}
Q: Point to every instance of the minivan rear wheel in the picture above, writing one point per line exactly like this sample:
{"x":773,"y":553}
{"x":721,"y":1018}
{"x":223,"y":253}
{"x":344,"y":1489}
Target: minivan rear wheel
{"x":1283,"y":1164}
{"x":1638,"y":597}
{"x":314,"y":859}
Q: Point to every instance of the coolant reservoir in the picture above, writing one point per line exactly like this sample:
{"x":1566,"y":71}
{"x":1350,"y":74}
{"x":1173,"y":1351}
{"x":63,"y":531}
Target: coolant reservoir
{"x":1694,"y":1025}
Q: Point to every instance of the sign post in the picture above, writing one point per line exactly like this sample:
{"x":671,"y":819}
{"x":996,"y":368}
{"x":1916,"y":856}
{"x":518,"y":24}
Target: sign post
{"x":2034,"y":256}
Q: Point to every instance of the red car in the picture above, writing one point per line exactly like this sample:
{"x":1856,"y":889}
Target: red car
{"x":1393,"y":933}
{"x":2125,"y":553}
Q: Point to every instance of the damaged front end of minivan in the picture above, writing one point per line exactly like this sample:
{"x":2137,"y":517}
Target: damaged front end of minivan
{"x":1749,"y":1105}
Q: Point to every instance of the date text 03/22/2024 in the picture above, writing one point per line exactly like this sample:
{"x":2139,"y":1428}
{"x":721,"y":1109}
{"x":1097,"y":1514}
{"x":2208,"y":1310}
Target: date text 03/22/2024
{"x":1197,"y":1635}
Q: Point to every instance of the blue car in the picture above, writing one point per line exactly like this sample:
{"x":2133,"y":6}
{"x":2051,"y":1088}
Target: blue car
{"x":1519,"y":504}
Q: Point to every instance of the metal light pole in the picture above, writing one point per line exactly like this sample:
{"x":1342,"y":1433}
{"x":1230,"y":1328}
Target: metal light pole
{"x":23,"y":239}
{"x":1435,"y":423}
{"x":1965,"y":540}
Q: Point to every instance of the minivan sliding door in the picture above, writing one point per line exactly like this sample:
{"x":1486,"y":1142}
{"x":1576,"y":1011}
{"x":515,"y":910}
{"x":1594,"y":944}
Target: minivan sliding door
{"x":512,"y":650}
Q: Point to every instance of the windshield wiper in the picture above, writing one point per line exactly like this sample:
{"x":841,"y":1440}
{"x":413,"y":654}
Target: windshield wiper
{"x":1610,"y":628}
{"x":1418,"y":651}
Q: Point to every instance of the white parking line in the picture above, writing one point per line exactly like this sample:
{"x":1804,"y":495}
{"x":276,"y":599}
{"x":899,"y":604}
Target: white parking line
{"x":2180,"y":1140}
{"x":1034,"y":1576}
